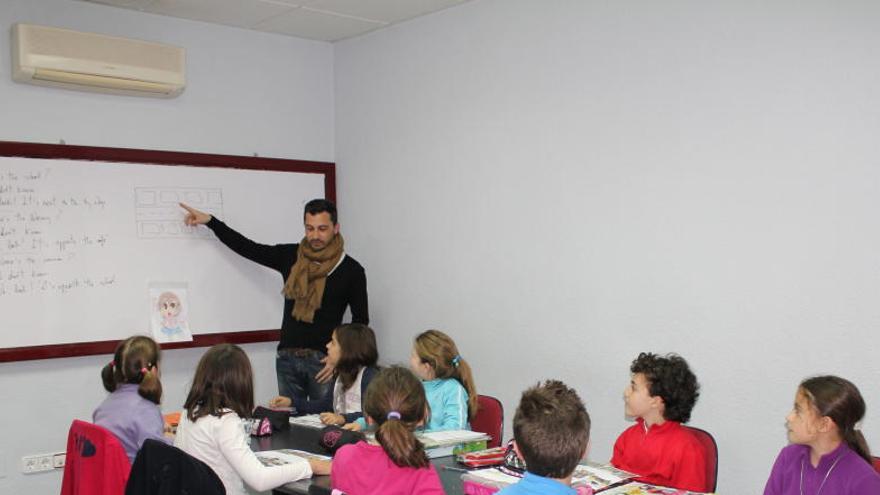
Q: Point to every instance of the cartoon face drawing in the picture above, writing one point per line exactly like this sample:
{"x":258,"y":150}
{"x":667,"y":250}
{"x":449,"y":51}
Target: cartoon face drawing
{"x":169,"y":307}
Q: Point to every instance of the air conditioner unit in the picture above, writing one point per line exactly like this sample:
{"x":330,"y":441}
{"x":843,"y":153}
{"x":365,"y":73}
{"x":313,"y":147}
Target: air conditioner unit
{"x":50,"y":56}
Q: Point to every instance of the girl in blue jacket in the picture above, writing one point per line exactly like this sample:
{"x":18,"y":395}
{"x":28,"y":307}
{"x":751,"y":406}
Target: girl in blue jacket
{"x":448,"y":381}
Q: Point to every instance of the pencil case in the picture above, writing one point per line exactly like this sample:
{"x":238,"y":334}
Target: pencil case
{"x":482,"y":458}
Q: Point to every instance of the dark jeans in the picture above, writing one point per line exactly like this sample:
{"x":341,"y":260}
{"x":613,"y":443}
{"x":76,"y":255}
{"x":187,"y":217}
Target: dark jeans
{"x":296,"y":372}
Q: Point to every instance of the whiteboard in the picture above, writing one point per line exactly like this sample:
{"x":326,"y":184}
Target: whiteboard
{"x":81,"y":242}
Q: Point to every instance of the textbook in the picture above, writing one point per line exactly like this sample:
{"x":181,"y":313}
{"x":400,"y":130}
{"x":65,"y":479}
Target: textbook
{"x":595,"y":475}
{"x":310,"y":420}
{"x":646,"y":489}
{"x":286,"y":456}
{"x":445,"y":443}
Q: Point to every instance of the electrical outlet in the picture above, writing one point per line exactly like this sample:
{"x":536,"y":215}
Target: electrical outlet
{"x":42,"y":462}
{"x":29,"y":464}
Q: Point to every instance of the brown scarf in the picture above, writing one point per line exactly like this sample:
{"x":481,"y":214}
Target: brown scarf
{"x":308,"y":276}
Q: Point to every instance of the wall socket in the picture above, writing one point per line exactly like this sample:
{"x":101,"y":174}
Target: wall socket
{"x":42,"y":462}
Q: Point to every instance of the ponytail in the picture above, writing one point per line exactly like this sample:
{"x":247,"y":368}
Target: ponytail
{"x":107,"y":377}
{"x":150,"y":387}
{"x":856,"y":441}
{"x":401,"y":444}
{"x":464,"y":376}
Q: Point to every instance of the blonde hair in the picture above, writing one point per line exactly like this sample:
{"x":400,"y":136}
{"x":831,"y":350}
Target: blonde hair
{"x":439,"y":351}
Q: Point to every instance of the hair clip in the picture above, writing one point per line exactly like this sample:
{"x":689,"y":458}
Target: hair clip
{"x":456,"y":360}
{"x":393,"y":415}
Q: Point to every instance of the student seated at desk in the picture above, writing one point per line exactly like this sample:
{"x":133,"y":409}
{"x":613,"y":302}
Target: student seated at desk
{"x":660,"y":396}
{"x":131,"y":411}
{"x":396,"y":464}
{"x":222,"y":393}
{"x":828,"y":454}
{"x":551,"y":431}
{"x":353,"y":354}
{"x":448,"y":381}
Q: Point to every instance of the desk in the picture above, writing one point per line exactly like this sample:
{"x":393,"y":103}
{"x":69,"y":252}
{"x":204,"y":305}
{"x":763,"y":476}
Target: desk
{"x":305,"y":438}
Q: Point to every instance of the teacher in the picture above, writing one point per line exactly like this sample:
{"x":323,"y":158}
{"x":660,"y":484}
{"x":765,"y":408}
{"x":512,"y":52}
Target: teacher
{"x":320,"y":280}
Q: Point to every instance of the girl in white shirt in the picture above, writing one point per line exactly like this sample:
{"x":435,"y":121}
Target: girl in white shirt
{"x":222,"y":393}
{"x":353,"y":353}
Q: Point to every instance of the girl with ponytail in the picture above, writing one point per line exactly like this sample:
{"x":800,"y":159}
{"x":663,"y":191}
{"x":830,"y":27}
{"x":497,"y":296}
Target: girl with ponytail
{"x":828,"y":454}
{"x":131,"y":411}
{"x":448,"y":381}
{"x":395,"y":463}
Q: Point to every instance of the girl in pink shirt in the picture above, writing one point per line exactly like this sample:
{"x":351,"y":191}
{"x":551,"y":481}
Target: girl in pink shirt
{"x":396,"y":464}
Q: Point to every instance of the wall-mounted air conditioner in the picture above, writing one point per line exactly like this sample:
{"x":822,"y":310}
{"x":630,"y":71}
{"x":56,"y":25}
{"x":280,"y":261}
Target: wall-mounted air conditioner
{"x":51,"y":56}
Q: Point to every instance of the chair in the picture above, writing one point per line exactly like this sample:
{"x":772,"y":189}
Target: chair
{"x":489,"y":419}
{"x":710,"y":448}
{"x":96,"y":463}
{"x":876,"y":463}
{"x":160,"y":469}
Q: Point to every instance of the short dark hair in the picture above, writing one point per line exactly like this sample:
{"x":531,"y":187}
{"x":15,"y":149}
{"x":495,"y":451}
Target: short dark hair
{"x":670,"y":378}
{"x":357,"y":347}
{"x":552,"y":429}
{"x":321,"y":205}
{"x":223,"y":380}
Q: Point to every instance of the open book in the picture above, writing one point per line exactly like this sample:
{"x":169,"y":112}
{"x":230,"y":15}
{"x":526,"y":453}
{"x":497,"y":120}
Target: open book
{"x":309,"y":420}
{"x":286,"y":456}
{"x":596,"y":476}
{"x":444,"y":443}
{"x":646,"y":489}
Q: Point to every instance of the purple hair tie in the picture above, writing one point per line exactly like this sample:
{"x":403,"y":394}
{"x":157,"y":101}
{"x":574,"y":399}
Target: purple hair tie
{"x":393,"y":415}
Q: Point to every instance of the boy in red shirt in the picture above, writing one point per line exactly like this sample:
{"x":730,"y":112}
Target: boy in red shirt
{"x":660,"y":396}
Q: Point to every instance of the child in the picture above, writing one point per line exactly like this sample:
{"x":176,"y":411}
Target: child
{"x":828,"y":454}
{"x":131,"y":411}
{"x":449,"y":384}
{"x":660,"y":396}
{"x":552,"y":432}
{"x":398,"y":465}
{"x":222,"y":394}
{"x":352,"y":351}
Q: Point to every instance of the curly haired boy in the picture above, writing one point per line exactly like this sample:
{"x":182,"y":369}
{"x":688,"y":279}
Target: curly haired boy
{"x":660,"y":396}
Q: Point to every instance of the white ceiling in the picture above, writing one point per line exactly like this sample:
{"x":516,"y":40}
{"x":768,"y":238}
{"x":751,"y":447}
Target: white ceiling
{"x":325,"y":20}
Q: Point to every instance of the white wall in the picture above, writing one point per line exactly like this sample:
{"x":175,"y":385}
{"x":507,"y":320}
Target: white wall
{"x":562,"y":184}
{"x":248,"y":93}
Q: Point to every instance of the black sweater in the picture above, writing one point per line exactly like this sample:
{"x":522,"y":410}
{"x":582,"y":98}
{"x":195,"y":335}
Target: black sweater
{"x":346,"y":286}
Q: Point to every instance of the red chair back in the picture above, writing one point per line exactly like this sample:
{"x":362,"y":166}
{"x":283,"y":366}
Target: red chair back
{"x":710,"y":449}
{"x":489,"y":419}
{"x":96,"y":463}
{"x":876,"y":463}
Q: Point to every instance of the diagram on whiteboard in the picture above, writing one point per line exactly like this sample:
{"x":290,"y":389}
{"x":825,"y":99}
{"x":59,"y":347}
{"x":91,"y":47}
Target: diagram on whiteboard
{"x":159,"y":215}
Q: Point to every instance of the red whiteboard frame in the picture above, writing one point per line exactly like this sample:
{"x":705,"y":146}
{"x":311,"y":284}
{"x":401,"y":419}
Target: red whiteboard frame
{"x":154,"y":157}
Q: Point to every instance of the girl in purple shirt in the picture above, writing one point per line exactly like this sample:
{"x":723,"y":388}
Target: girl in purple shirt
{"x":827,"y":455}
{"x":131,"y":411}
